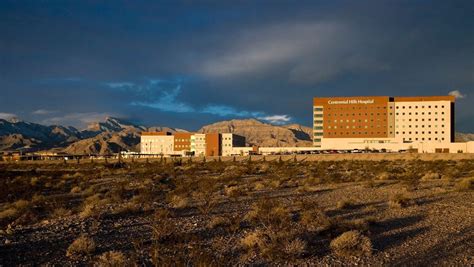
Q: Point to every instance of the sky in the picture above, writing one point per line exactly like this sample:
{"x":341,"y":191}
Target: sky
{"x":185,"y":64}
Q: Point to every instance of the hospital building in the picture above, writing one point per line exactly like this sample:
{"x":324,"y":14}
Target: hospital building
{"x":383,"y":122}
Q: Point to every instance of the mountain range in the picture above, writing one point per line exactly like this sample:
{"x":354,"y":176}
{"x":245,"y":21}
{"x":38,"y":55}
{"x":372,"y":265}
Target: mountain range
{"x":113,"y":135}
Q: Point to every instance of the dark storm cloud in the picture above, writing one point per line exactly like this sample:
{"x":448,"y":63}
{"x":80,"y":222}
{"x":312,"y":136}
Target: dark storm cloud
{"x":184,"y":64}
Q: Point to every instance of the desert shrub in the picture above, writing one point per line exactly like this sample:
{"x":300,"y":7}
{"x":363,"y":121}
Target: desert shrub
{"x":111,"y":259}
{"x":259,"y":186}
{"x":465,"y":184}
{"x":34,"y":181}
{"x":269,"y":212}
{"x":252,"y":239}
{"x":233,"y":191}
{"x":351,"y":243}
{"x":295,"y":248}
{"x":14,"y":210}
{"x":430,"y":176}
{"x":60,"y":213}
{"x":315,"y":220}
{"x":162,"y":226}
{"x":179,"y":202}
{"x":90,"y":206}
{"x":76,"y":190}
{"x":82,"y":246}
{"x":398,"y":201}
{"x":274,"y":244}
{"x":219,"y":222}
{"x":384,"y":176}
{"x":344,"y":204}
{"x":205,"y":197}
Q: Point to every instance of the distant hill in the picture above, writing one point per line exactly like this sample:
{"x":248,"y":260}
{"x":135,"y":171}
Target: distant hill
{"x":113,"y":135}
{"x":464,"y":137}
{"x":263,"y":134}
{"x":110,"y":136}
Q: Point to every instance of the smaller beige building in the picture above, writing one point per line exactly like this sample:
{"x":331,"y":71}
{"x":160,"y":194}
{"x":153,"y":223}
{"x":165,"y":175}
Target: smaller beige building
{"x":157,"y":143}
{"x":198,"y":144}
{"x":232,"y":144}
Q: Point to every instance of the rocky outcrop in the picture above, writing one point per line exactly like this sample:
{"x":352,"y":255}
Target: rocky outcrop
{"x":263,"y":134}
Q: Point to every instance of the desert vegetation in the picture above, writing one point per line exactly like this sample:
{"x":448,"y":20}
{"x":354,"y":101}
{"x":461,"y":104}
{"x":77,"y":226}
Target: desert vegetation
{"x":215,"y":212}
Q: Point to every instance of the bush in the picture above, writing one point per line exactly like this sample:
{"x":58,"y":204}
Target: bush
{"x":219,"y":222}
{"x":295,"y":248}
{"x":344,"y":204}
{"x":384,"y":176}
{"x":252,"y":240}
{"x":259,"y":186}
{"x":111,"y":259}
{"x":82,"y":246}
{"x":398,"y":201}
{"x":75,"y":190}
{"x":179,"y":202}
{"x":465,"y":184}
{"x":352,"y":243}
{"x":315,"y":220}
{"x":269,"y":212}
{"x":431,"y":176}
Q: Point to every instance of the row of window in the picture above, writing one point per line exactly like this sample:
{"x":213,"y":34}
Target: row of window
{"x":429,"y":132}
{"x":360,"y":114}
{"x":429,"y":119}
{"x":416,"y":126}
{"x":416,"y":113}
{"x":354,"y":127}
{"x":409,"y":107}
{"x":423,"y":139}
{"x":365,"y":120}
{"x":354,"y":133}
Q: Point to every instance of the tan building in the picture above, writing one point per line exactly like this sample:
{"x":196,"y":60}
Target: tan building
{"x":232,"y":144}
{"x":382,"y":122}
{"x":157,"y":143}
{"x":187,"y":144}
{"x":198,"y":144}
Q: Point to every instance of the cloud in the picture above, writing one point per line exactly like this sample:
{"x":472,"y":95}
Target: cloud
{"x":223,"y":111}
{"x":164,"y":96}
{"x":119,"y":84}
{"x":72,"y":118}
{"x":167,"y":101}
{"x":43,"y":112}
{"x":308,"y":52}
{"x":276,"y":119}
{"x":7,"y":116}
{"x":457,"y":94}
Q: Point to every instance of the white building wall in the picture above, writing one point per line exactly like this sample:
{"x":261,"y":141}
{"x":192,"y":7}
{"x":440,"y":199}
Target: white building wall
{"x":198,"y":144}
{"x":424,"y":121}
{"x":157,"y":144}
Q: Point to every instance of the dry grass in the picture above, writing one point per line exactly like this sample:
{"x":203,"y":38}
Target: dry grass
{"x":344,"y":204}
{"x":398,"y":201}
{"x":315,"y":220}
{"x":179,"y":202}
{"x":465,"y":184}
{"x":82,"y":246}
{"x":111,"y":259}
{"x":352,"y":243}
{"x":195,"y":212}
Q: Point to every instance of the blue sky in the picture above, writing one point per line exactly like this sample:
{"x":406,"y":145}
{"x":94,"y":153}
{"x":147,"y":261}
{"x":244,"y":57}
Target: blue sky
{"x":188,"y":63}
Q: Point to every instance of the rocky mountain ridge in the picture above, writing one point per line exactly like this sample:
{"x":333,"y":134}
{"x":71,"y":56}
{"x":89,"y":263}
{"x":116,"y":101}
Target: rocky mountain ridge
{"x":113,"y":135}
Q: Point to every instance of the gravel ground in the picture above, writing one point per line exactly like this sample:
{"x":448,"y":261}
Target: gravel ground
{"x":435,"y":228}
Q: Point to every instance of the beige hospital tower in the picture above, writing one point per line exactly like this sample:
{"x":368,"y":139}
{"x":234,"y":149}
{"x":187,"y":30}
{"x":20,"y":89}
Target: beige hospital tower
{"x":422,"y":124}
